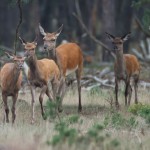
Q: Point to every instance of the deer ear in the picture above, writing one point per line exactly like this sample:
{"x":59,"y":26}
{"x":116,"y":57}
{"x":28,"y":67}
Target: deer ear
{"x":9,"y":55}
{"x":23,"y":42}
{"x":126,"y":36}
{"x":35,"y":43}
{"x":35,"y":40}
{"x":59,"y":30}
{"x":111,"y":37}
{"x":41,"y":30}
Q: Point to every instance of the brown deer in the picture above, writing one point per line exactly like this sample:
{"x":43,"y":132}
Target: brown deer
{"x":41,"y":73}
{"x":125,"y":67}
{"x":69,"y":59}
{"x":10,"y":81}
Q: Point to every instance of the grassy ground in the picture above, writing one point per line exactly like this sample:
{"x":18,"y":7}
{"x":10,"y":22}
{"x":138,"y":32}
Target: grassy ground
{"x":96,"y":109}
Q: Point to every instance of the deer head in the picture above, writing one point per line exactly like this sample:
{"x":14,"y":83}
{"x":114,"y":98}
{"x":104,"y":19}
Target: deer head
{"x":29,"y":47}
{"x":18,"y":60}
{"x":50,"y":38}
{"x":118,"y":41}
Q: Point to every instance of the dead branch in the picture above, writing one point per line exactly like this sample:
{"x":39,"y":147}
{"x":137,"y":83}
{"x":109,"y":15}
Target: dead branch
{"x":19,"y":23}
{"x":144,"y":53}
{"x":138,"y":54}
{"x":78,"y":16}
{"x":102,"y":82}
{"x":141,"y":27}
{"x":104,"y":72}
{"x":4,"y":48}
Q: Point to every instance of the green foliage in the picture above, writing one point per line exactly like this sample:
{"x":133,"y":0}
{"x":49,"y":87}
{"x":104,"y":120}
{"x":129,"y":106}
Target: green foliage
{"x":71,"y":136}
{"x":115,"y":143}
{"x":146,"y":19}
{"x":138,"y":3}
{"x":51,"y":108}
{"x":116,"y":120}
{"x":100,"y":138}
{"x":132,"y":123}
{"x":135,"y":108}
{"x":64,"y":133}
{"x":93,"y":132}
{"x":146,"y":15}
{"x":95,"y":91}
{"x":142,"y":110}
{"x":73,"y":119}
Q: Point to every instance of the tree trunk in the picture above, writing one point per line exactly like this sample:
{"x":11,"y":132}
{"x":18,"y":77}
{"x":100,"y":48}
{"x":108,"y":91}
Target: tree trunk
{"x":124,"y":13}
{"x":108,"y":24}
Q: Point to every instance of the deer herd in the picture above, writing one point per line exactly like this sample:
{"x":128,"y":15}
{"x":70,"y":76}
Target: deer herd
{"x":61,"y":61}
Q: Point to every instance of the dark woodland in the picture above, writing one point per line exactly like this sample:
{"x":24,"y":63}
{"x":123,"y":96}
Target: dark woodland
{"x":100,"y":16}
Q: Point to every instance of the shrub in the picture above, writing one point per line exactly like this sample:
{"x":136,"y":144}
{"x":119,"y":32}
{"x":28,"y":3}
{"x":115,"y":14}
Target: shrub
{"x":64,"y":134}
{"x":116,"y":120}
{"x":135,"y":108}
{"x":95,"y":91}
{"x":142,"y":110}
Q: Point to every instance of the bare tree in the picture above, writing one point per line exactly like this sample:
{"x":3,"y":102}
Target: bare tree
{"x":108,"y":23}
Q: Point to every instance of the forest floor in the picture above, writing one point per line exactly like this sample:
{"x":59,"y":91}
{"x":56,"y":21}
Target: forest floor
{"x":122,"y":130}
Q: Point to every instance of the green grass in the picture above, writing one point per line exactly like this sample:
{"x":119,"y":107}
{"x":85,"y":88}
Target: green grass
{"x":120,"y":130}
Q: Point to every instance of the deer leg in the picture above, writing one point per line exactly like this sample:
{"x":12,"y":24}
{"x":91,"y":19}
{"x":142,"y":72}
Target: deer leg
{"x":126,"y":94}
{"x":44,"y":88}
{"x":6,"y":107}
{"x":49,"y":94}
{"x":62,"y":80}
{"x":61,"y":93}
{"x":116,"y":93}
{"x":55,"y":87}
{"x":127,"y":84}
{"x":32,"y":102}
{"x":13,"y":107}
{"x":62,"y":96}
{"x":78,"y":77}
{"x":130,"y":94}
{"x":135,"y":89}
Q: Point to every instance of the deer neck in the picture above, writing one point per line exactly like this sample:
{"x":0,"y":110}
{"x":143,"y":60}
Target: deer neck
{"x":32,"y":62}
{"x":120,"y":64}
{"x":52,"y":55}
{"x":15,"y":74}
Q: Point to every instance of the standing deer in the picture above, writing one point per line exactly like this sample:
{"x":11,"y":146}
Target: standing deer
{"x":69,"y":59}
{"x":41,"y":73}
{"x":125,"y":67}
{"x":10,"y":81}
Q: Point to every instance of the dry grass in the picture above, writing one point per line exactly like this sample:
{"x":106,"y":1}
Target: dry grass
{"x":96,"y":106}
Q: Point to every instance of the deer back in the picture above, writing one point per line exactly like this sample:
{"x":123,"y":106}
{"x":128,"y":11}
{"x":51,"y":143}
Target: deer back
{"x":47,"y":70}
{"x":132,"y":64}
{"x":69,"y":55}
